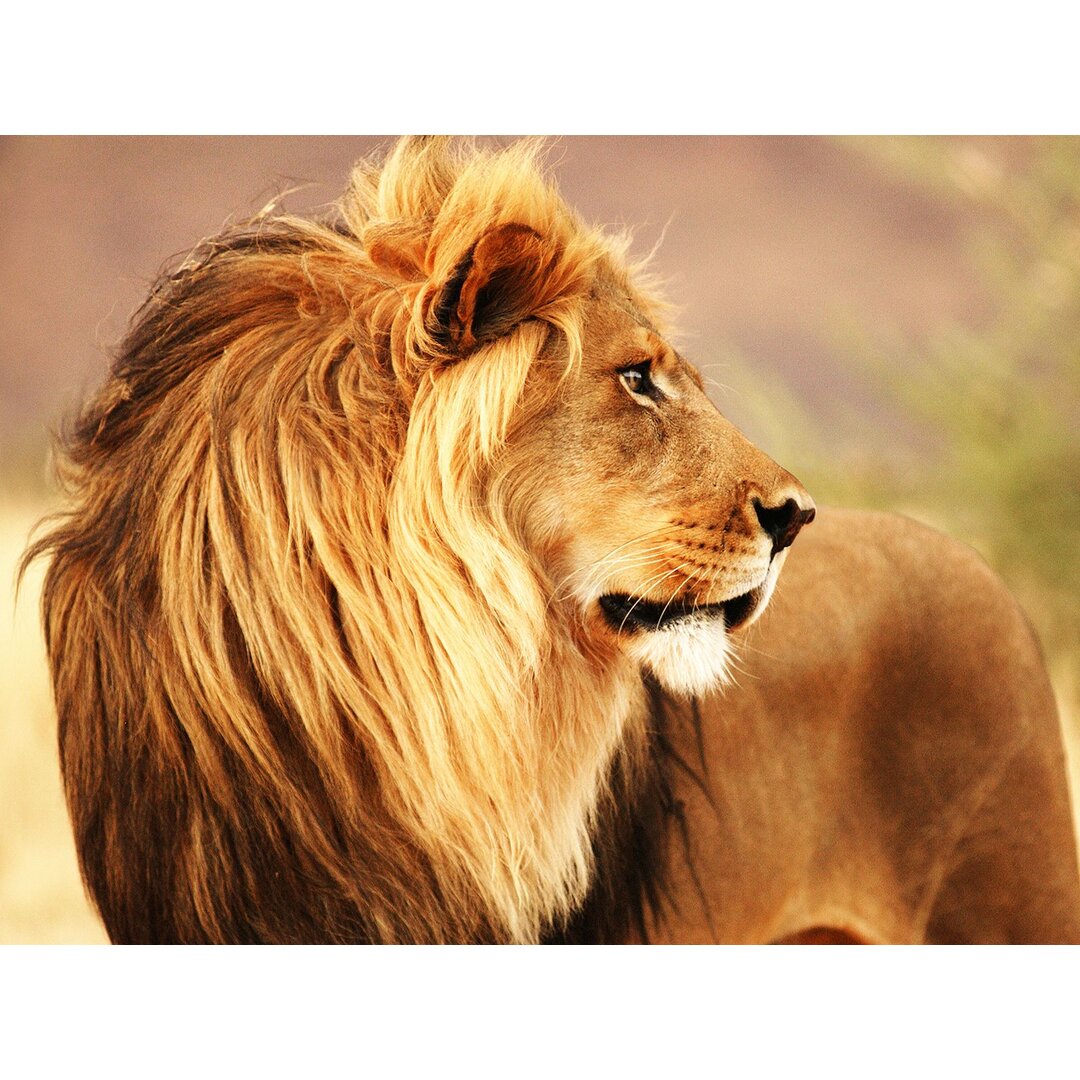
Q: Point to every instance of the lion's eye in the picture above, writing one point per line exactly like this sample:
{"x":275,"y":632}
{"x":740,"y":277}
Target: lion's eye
{"x":636,"y":380}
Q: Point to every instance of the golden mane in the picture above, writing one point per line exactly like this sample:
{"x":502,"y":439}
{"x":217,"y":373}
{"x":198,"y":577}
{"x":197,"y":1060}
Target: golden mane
{"x":309,"y":682}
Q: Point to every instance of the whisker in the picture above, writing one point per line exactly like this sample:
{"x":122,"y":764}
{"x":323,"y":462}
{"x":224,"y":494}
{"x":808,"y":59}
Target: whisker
{"x":731,"y":661}
{"x":663,"y":610}
{"x":624,"y":562}
{"x":643,"y":536}
{"x":694,"y":577}
{"x":650,"y":584}
{"x":640,"y":593}
{"x":613,"y":551}
{"x":747,"y":647}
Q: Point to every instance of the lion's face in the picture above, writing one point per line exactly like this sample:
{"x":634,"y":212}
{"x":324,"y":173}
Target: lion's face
{"x":656,"y":518}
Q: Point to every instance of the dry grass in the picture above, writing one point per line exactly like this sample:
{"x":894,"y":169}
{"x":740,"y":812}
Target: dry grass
{"x":41,"y":897}
{"x":1067,"y":688}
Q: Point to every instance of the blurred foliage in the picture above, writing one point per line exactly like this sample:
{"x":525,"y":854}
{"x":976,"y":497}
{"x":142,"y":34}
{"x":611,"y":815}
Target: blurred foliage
{"x":992,"y":405}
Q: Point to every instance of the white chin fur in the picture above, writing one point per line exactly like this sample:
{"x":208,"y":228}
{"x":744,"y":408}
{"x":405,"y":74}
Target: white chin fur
{"x":693,"y":655}
{"x":689,"y":657}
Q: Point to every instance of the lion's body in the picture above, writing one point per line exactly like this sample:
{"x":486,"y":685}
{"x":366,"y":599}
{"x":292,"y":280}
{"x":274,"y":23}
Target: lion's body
{"x":374,"y":529}
{"x":890,"y":766}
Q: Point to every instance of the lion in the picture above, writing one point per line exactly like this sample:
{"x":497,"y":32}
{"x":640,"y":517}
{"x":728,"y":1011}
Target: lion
{"x":398,"y":599}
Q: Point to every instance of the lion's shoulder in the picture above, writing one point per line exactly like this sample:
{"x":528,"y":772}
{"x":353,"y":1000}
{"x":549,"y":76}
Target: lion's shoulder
{"x":887,"y":608}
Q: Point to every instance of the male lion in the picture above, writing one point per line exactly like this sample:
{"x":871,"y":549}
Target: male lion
{"x":398,"y":593}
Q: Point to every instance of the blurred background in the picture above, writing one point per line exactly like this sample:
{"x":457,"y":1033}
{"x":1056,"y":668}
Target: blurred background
{"x":896,"y":320}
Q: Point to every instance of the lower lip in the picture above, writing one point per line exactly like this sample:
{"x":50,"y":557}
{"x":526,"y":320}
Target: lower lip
{"x":625,"y":613}
{"x":739,"y":609}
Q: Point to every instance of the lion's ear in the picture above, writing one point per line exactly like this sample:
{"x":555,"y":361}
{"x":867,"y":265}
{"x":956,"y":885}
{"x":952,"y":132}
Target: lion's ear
{"x":499,"y":284}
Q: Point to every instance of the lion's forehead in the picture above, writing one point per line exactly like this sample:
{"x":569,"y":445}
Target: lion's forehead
{"x":615,"y":328}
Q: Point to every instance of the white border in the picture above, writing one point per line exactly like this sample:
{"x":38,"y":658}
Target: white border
{"x":680,"y":67}
{"x":532,"y":1012}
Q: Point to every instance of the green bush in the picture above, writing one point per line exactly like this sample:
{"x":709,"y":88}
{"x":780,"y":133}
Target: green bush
{"x":993,"y":403}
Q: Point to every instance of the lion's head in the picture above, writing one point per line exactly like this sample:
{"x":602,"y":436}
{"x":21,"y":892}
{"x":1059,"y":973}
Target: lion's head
{"x":375,"y":525}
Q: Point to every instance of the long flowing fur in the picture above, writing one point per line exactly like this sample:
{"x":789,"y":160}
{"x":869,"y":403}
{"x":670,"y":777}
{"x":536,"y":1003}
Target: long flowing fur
{"x":310,"y":683}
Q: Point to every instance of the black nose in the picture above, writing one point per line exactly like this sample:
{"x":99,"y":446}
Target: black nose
{"x":782,"y":522}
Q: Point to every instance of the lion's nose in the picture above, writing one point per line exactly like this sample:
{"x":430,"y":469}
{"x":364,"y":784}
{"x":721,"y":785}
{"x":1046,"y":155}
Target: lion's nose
{"x":783,"y":522}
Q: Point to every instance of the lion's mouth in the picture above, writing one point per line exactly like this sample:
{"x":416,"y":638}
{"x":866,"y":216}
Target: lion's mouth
{"x":631,"y":613}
